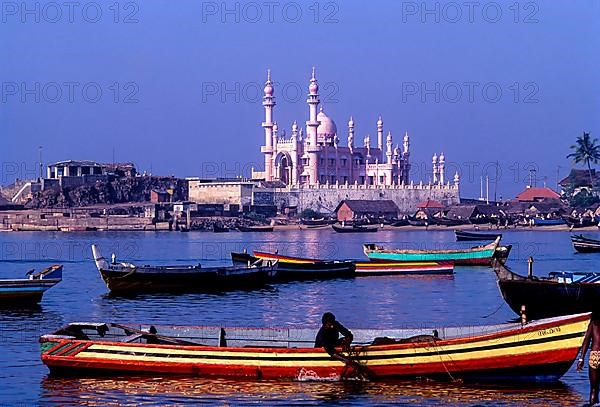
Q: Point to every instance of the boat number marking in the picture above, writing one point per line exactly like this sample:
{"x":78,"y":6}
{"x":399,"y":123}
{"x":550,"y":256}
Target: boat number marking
{"x":548,"y":331}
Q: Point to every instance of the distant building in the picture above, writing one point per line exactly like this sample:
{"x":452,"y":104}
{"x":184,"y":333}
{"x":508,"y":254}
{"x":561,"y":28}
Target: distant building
{"x":349,"y":210}
{"x":234,"y":194}
{"x":579,"y":180}
{"x":537,"y":194}
{"x":160,"y":196}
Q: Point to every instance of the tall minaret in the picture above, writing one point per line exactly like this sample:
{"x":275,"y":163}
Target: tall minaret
{"x":351,"y":134}
{"x":311,"y":129}
{"x":442,"y":168}
{"x":294,"y":180}
{"x":389,"y":152}
{"x":269,"y":104}
{"x":380,"y":136}
{"x":434,"y":162}
{"x":405,"y":158}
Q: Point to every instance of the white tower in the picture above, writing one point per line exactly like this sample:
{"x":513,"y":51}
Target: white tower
{"x":442,"y":168}
{"x":380,"y":135}
{"x":434,"y":162}
{"x":269,"y":104}
{"x":311,"y":129}
{"x":389,"y":152}
{"x":351,"y":134}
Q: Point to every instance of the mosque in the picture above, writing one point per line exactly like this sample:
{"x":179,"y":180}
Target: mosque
{"x":315,"y":156}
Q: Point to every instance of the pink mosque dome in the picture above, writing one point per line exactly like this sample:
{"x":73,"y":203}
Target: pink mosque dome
{"x":327,"y":126}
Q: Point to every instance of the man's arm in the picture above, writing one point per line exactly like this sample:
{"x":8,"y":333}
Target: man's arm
{"x":586,"y":343}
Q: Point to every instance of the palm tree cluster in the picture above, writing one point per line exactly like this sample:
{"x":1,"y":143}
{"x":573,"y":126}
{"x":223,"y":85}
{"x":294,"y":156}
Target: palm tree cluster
{"x":587,"y":151}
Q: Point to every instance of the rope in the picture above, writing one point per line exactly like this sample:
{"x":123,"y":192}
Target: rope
{"x":497,"y":309}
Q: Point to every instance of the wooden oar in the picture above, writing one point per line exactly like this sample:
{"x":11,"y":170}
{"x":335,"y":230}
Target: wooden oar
{"x":164,"y":338}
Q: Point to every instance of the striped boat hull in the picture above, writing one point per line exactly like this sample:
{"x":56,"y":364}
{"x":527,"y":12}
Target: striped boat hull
{"x":541,"y":351}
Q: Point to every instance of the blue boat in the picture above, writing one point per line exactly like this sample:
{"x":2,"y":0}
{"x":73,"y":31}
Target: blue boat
{"x":29,"y":291}
{"x":547,"y":222}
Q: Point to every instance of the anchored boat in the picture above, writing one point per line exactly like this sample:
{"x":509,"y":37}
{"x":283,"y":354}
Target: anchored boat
{"x":29,"y":291}
{"x":463,"y":235}
{"x":538,"y":351}
{"x":361,"y":268}
{"x":585,"y":245}
{"x":127,"y":277}
{"x":559,"y":293}
{"x":296,"y":268}
{"x":475,"y":256}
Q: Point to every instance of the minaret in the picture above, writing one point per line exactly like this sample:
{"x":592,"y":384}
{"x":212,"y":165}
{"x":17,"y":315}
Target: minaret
{"x":441,"y":168}
{"x":456,"y":179}
{"x":405,"y":158}
{"x":380,"y":135}
{"x":389,"y":148}
{"x":351,"y":134}
{"x":434,"y":161}
{"x":311,"y":129}
{"x":269,"y":104}
{"x":295,"y":143}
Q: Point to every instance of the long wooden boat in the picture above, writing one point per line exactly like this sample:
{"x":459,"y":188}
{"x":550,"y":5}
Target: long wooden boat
{"x":220,"y":228}
{"x":480,"y":255}
{"x":583,"y":222}
{"x":296,"y":268}
{"x":463,"y":235}
{"x":450,"y":222}
{"x":547,"y":222}
{"x":394,"y":268}
{"x":317,"y":222}
{"x":355,"y":229}
{"x":541,"y":350}
{"x":362,"y":268}
{"x":127,"y":277}
{"x":559,"y":293}
{"x":255,"y":228}
{"x":585,"y":245}
{"x":30,"y":290}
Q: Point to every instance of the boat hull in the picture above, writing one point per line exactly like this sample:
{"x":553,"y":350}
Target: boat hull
{"x":476,"y":256}
{"x":355,"y":229}
{"x":540,"y":351}
{"x":292,"y":268}
{"x":544,"y":299}
{"x":29,"y":291}
{"x":465,"y":236}
{"x":203,"y":280}
{"x":375,"y":268}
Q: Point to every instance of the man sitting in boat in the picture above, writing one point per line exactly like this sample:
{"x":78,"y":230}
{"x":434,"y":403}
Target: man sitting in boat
{"x":328,"y":336}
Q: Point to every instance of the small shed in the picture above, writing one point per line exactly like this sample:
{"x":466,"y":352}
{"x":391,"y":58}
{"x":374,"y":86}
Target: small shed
{"x":159,"y":196}
{"x":350,"y":209}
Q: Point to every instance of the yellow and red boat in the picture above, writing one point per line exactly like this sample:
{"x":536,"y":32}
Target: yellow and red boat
{"x":542,"y":350}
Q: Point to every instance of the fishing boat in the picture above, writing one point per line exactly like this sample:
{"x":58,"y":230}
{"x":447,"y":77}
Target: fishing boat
{"x":418,"y":222}
{"x":255,"y":228}
{"x":559,"y":293}
{"x":362,"y":268}
{"x":582,"y":222}
{"x":394,"y":268}
{"x":463,"y":235}
{"x":354,"y":229}
{"x":296,"y":268}
{"x":541,"y":350}
{"x":584,"y":244}
{"x":316,"y":222}
{"x":474,"y":256}
{"x":123,"y":277}
{"x":449,"y":221}
{"x":220,"y":228}
{"x":547,"y":222}
{"x":29,"y":291}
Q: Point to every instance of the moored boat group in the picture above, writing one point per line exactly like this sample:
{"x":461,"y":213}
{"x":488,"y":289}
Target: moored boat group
{"x":543,"y":349}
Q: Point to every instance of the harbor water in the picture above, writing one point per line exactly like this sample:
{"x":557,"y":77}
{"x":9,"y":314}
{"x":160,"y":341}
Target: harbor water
{"x":469,"y":297}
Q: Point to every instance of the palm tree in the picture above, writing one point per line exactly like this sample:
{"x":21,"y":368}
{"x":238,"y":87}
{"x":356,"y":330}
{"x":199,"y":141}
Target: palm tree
{"x":586,"y":150}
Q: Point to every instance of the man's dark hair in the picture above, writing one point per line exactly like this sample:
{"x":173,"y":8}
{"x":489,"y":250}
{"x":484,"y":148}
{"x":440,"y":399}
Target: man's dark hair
{"x":328,"y":317}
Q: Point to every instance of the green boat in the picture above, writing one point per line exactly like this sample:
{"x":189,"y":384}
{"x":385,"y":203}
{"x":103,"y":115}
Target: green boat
{"x":474,"y":256}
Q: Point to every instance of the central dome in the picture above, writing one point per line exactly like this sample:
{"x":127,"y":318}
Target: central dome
{"x":327,"y":126}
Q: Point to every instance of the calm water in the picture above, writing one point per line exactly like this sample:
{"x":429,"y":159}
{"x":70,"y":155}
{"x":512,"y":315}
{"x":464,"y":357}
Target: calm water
{"x":470,"y":297}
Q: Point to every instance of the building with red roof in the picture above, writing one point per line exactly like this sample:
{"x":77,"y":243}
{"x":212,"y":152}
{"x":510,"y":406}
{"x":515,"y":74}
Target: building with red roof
{"x":536,"y":194}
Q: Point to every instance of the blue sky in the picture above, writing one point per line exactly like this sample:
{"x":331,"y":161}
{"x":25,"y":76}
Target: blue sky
{"x":190,"y":70}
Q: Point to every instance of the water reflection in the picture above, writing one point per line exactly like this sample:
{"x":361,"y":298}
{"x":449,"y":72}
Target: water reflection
{"x":101,"y":391}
